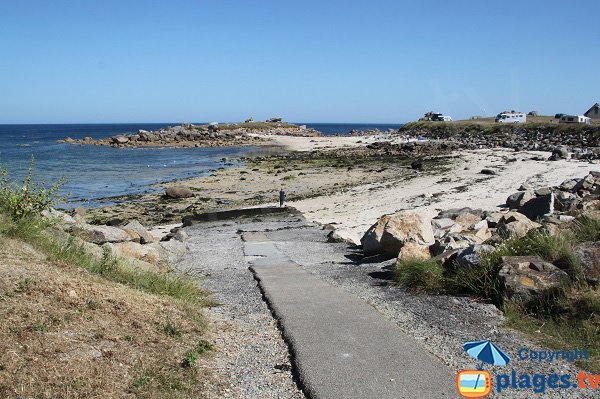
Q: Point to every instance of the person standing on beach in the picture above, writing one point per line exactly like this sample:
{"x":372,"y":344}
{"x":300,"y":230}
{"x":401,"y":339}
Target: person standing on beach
{"x":282,"y":197}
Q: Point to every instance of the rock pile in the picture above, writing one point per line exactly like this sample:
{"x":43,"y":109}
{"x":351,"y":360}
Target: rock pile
{"x":582,"y":141}
{"x":139,"y":247}
{"x":189,"y":135}
{"x":457,"y":237}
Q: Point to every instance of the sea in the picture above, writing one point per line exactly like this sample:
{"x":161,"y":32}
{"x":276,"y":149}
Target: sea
{"x":100,"y":175}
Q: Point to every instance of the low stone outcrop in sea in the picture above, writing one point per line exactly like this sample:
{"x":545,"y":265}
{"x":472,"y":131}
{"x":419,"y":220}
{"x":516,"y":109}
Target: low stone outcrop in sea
{"x":211,"y":135}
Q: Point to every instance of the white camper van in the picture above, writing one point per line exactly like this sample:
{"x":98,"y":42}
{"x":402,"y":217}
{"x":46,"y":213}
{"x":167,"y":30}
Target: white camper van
{"x":584,"y":120}
{"x":511,"y":117}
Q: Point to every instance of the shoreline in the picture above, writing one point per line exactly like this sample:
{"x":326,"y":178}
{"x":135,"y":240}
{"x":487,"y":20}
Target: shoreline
{"x":328,"y":181}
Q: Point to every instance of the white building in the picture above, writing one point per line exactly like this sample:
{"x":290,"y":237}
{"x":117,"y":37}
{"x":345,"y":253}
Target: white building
{"x":580,"y":119}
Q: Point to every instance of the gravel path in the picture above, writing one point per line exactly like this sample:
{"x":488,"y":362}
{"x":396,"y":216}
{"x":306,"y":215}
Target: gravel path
{"x":251,"y":356}
{"x":441,"y":323}
{"x":251,"y":353}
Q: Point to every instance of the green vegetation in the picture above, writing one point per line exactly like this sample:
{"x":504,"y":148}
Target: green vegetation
{"x":38,"y":232}
{"x":489,"y":127}
{"x":171,"y":330}
{"x":565,"y":318}
{"x":27,"y":199}
{"x":420,"y":274}
{"x":483,"y":281}
{"x":193,"y":355}
{"x":21,"y":221}
{"x":40,"y":327}
{"x":574,"y":324}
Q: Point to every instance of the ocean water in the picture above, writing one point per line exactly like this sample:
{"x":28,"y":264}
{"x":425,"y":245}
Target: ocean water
{"x":96,"y":174}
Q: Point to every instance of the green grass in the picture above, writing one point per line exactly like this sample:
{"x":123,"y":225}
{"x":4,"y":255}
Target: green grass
{"x":40,"y":327}
{"x":171,"y":330}
{"x":193,"y":355}
{"x":575,"y":325}
{"x":484,"y":282}
{"x":36,"y":231}
{"x":586,"y":228}
{"x":419,"y":274}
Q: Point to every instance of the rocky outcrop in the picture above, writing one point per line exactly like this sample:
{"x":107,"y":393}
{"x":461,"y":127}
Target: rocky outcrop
{"x":102,"y":234}
{"x":580,"y":142}
{"x":137,"y":228}
{"x":212,"y":135}
{"x":133,"y":243}
{"x":529,"y":280}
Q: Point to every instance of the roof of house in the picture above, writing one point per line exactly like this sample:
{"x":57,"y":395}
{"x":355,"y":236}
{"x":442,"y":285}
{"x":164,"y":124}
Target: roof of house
{"x":595,"y":106}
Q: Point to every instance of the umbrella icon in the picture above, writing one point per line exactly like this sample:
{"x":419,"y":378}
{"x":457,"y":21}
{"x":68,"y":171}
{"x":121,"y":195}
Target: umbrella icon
{"x":486,"y":352}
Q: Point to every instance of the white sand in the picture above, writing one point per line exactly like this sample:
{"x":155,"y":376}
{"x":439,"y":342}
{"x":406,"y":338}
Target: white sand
{"x":360,"y":207}
{"x":323,"y":143}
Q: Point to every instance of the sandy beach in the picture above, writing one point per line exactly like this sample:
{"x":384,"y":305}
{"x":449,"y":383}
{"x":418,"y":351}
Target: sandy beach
{"x":335,"y":180}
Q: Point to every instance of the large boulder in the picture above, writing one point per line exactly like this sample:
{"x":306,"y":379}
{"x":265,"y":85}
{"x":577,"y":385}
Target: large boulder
{"x":343,"y":235}
{"x":62,"y":219}
{"x":175,"y":250}
{"x":470,"y":256}
{"x":528,"y":280}
{"x":414,"y":251}
{"x":120,"y":140}
{"x":514,"y":225}
{"x":587,"y":183}
{"x":589,"y":254}
{"x":538,"y":207}
{"x":568,"y":185}
{"x":101,"y":234}
{"x":179,"y":192}
{"x":153,"y":254}
{"x":392,"y":232}
{"x":565,"y":201}
{"x":137,"y":228}
{"x":518,"y":199}
{"x":559,"y":153}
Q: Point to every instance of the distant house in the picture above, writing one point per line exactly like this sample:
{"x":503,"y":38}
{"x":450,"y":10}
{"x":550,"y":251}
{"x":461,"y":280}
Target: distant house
{"x":593,"y":112}
{"x":575,"y":119}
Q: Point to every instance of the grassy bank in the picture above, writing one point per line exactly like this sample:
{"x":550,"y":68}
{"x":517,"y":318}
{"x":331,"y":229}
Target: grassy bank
{"x":451,"y":129}
{"x":74,"y":326}
{"x":567,"y":319}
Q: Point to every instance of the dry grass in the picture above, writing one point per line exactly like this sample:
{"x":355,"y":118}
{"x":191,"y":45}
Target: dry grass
{"x":67,"y":333}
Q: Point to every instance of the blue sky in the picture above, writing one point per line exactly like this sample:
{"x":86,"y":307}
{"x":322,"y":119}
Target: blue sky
{"x":314,"y":61}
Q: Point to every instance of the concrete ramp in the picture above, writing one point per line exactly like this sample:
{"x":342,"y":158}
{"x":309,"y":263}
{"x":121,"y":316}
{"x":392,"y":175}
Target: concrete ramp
{"x":342,"y":348}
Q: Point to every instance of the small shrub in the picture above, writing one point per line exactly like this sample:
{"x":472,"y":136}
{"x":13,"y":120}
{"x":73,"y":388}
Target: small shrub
{"x":92,"y":304}
{"x":192,"y":356}
{"x":29,"y":197}
{"x":483,"y":281}
{"x":40,"y":327}
{"x":586,"y":228}
{"x":418,"y":273}
{"x":171,"y":330}
{"x":24,"y":285}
